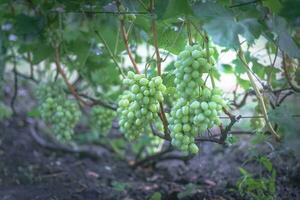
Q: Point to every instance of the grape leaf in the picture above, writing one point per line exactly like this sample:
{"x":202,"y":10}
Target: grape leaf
{"x":223,"y":27}
{"x":285,"y":42}
{"x":273,"y":5}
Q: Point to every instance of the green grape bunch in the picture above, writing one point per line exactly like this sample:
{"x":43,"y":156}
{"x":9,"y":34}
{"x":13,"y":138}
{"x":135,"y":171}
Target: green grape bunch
{"x":257,"y":123}
{"x":56,"y":110}
{"x":101,"y":120}
{"x":190,"y":66}
{"x":198,"y":106}
{"x":139,"y":105}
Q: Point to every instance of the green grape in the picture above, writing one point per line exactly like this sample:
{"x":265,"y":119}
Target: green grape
{"x":61,"y":113}
{"x":101,"y":120}
{"x":138,"y":106}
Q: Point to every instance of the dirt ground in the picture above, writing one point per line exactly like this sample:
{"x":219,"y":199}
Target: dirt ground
{"x":28,"y":171}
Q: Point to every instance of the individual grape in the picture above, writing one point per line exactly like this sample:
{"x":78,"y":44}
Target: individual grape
{"x":139,"y":105}
{"x":101,"y":120}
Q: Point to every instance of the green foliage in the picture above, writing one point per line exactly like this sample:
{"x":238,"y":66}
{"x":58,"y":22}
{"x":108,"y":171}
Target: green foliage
{"x":5,"y":111}
{"x":257,"y":188}
{"x":189,"y":190}
{"x":155,"y":196}
{"x":120,"y":186}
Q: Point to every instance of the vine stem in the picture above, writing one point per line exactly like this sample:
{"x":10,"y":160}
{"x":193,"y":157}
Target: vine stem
{"x":189,"y":32}
{"x":258,"y":95}
{"x":158,"y":60}
{"x":125,"y":39}
{"x":62,"y":73}
{"x":110,"y":52}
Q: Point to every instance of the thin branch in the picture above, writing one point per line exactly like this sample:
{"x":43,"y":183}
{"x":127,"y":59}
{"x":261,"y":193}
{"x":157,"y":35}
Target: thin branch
{"x":152,"y":157}
{"x":259,"y":95}
{"x":102,"y":12}
{"x":110,"y":52}
{"x":158,"y":60}
{"x":155,"y":43}
{"x":15,"y":94}
{"x":244,"y":4}
{"x":27,"y":77}
{"x":62,"y":73}
{"x":287,"y":75}
{"x":125,"y":39}
{"x":243,"y":101}
{"x":189,"y":32}
{"x":99,"y":102}
{"x":94,"y":152}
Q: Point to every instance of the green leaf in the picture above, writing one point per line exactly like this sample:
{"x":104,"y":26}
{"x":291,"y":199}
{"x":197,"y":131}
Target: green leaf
{"x":266,"y":163}
{"x":285,"y":41}
{"x":29,"y":26}
{"x":221,"y":25}
{"x":210,"y":10}
{"x":227,"y":68}
{"x":155,"y":196}
{"x":177,"y":8}
{"x":119,"y":186}
{"x":41,"y":52}
{"x":169,"y":39}
{"x":189,"y":190}
{"x":245,"y":84}
{"x":297,"y":75}
{"x":273,"y":5}
{"x":239,"y":67}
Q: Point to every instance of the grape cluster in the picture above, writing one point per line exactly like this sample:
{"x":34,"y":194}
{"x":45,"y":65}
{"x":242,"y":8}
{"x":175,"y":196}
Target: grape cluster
{"x":190,"y":66}
{"x":257,"y":123}
{"x":101,"y":120}
{"x":139,"y":105}
{"x":59,"y":112}
{"x":198,"y":107}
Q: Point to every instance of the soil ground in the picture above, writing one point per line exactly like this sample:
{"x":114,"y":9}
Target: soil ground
{"x":30,"y":172}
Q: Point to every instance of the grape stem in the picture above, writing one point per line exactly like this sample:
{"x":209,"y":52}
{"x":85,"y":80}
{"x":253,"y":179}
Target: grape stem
{"x":162,"y":114}
{"x":62,"y":73}
{"x":125,"y":39}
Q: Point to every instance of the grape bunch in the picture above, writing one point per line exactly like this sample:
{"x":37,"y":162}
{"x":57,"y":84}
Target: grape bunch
{"x":198,"y":106}
{"x":190,"y":66}
{"x":60,"y":113}
{"x":139,"y":105}
{"x":101,"y":120}
{"x":257,"y":123}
